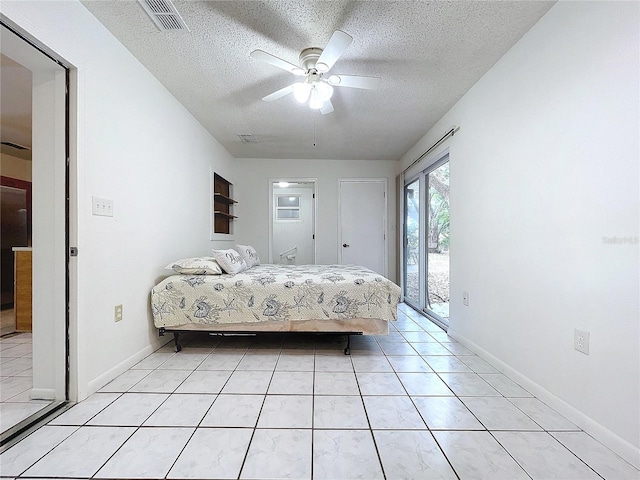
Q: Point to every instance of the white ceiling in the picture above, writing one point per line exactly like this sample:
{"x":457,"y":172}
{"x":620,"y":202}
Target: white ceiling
{"x":15,"y":100}
{"x":428,"y":55}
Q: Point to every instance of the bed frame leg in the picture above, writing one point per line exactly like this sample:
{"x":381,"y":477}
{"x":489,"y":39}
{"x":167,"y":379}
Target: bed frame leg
{"x":347,"y":349}
{"x":175,"y":340}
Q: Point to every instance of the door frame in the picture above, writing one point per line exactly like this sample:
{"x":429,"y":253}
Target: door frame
{"x":420,"y":262}
{"x":314,"y":210}
{"x":434,"y":317}
{"x":420,"y":173}
{"x":385,"y":226}
{"x":59,"y":269}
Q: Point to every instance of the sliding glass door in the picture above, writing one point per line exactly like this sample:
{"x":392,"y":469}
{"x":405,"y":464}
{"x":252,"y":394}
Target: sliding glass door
{"x":437,"y":244}
{"x":412,"y":243}
{"x":426,"y":242}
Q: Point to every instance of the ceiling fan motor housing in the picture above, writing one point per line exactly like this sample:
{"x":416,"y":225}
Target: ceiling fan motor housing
{"x":309,"y":58}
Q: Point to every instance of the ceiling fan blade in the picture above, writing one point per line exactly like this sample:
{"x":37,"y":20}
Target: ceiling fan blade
{"x":277,"y":62}
{"x":355,"y":81}
{"x":338,"y":43}
{"x":278,"y":94}
{"x":326,"y":108}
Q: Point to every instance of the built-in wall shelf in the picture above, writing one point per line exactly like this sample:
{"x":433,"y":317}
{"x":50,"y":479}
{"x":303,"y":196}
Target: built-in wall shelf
{"x":223,"y":198}
{"x":224,"y":214}
{"x":222,"y":205}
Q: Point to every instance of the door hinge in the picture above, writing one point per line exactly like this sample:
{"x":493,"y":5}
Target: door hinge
{"x":313,"y":237}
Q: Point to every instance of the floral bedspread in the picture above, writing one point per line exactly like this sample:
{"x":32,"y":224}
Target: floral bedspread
{"x":275,"y":293}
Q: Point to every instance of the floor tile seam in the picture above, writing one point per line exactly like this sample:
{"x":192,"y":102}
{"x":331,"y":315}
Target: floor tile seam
{"x":117,"y":449}
{"x":175,"y":460}
{"x":8,"y":400}
{"x":313,"y":408}
{"x":366,"y":413}
{"x":520,"y":464}
{"x":532,"y":419}
{"x":46,"y":453}
{"x":255,"y":428}
{"x":499,"y":394}
{"x":455,"y":395}
{"x":461,"y":397}
{"x":445,"y":455}
{"x":119,"y":395}
{"x":551,"y":432}
{"x":234,"y":370}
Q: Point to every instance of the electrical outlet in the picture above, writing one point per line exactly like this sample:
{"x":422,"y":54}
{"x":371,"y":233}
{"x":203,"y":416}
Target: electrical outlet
{"x":465,"y":298}
{"x":117,"y":313}
{"x":581,"y":341}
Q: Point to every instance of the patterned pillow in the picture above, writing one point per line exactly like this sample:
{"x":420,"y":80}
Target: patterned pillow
{"x":230,"y":261}
{"x":249,"y":255}
{"x":196,"y":266}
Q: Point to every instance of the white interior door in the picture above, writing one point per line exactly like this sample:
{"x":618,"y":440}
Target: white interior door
{"x":362,"y":236}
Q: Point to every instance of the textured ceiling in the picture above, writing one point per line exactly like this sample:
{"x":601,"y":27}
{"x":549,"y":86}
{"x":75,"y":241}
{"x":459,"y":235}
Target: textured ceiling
{"x":15,"y":99}
{"x":428,"y":55}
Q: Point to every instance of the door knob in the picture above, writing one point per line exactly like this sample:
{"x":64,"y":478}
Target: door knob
{"x":345,"y":245}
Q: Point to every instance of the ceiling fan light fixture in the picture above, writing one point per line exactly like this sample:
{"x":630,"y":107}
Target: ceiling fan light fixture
{"x":315,"y":102}
{"x":324,"y":91}
{"x":301,"y":91}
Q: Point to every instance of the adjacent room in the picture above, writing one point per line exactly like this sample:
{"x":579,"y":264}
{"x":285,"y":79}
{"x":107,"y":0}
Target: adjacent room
{"x":320,"y":240}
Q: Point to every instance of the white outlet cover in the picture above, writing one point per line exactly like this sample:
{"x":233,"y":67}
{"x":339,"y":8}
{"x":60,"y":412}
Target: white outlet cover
{"x":581,"y":341}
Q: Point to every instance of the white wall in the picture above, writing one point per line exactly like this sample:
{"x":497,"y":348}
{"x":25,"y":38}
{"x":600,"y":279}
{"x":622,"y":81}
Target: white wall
{"x":543,"y":171}
{"x":252,"y":193}
{"x":134,"y":143}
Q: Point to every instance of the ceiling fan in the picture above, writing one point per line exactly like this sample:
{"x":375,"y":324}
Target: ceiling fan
{"x":315,"y":63}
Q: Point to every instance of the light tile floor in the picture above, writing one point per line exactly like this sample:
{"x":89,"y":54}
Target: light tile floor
{"x":411,"y":405}
{"x":16,"y":380}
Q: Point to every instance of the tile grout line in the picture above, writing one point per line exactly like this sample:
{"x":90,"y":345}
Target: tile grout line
{"x":375,"y":444}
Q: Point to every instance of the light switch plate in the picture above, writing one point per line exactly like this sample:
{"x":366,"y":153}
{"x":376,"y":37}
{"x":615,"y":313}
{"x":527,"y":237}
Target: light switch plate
{"x":102,"y":207}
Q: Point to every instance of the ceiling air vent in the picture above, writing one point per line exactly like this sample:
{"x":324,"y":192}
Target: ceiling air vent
{"x":15,"y":145}
{"x":247,"y":138}
{"x":164,"y":15}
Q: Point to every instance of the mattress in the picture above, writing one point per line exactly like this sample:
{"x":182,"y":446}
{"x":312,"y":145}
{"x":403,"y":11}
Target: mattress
{"x":274,"y":294}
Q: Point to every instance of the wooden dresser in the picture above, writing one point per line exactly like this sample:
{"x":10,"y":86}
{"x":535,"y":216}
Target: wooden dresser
{"x":22,"y":297}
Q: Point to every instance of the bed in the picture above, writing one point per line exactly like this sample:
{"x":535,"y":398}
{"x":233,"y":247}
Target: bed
{"x":346,"y":299}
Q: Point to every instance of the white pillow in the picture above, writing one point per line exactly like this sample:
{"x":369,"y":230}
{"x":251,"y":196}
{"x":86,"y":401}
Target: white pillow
{"x":230,"y":261}
{"x":249,"y":255}
{"x":196,"y":266}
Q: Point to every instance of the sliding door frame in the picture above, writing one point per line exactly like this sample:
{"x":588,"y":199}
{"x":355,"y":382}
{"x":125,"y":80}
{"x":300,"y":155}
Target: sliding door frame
{"x":419,"y":173}
{"x":434,"y":317}
{"x":60,"y":157}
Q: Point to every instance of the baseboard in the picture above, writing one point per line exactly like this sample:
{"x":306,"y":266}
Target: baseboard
{"x":99,"y":382}
{"x":602,"y":434}
{"x":42,"y":394}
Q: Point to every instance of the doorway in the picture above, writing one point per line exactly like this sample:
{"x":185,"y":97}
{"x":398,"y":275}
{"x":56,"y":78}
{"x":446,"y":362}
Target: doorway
{"x":427,"y":240}
{"x":362,"y":238}
{"x":34,"y":105}
{"x":292,"y":237}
